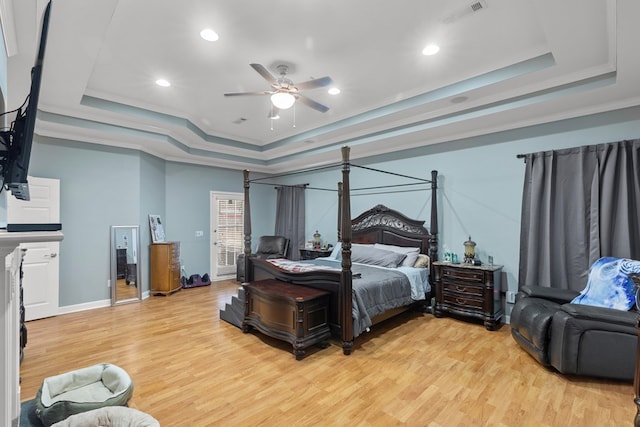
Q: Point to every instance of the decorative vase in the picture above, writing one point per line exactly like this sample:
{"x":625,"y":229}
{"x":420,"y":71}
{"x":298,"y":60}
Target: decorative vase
{"x":469,"y":251}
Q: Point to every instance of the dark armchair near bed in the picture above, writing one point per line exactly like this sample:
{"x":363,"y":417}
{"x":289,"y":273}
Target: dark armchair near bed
{"x":269,"y":247}
{"x":575,"y":339}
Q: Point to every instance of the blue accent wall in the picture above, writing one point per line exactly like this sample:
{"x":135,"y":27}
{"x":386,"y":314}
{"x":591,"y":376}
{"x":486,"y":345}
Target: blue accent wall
{"x":480,"y":181}
{"x":152,"y":201}
{"x":3,"y":67}
{"x":102,"y":186}
{"x":480,"y":184}
{"x":99,"y":187}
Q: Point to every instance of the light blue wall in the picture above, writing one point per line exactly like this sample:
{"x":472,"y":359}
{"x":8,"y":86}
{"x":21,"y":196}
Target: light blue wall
{"x":102,"y":186}
{"x":152,"y":201}
{"x":187,"y":204}
{"x":99,"y":188}
{"x":3,"y":68}
{"x":480,"y":184}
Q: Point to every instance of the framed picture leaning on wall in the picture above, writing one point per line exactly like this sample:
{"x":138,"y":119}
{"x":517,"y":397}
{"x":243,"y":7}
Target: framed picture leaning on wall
{"x":157,"y":229}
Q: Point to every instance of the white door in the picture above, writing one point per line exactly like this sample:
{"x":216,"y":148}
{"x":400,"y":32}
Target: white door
{"x":41,"y":266}
{"x":227,"y":232}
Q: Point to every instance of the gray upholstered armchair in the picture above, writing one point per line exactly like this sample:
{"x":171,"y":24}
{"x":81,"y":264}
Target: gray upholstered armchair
{"x":573,"y":338}
{"x":269,"y":247}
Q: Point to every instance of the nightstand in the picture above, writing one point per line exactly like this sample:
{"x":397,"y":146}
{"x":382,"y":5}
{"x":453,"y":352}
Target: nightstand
{"x":314,"y":253}
{"x":469,"y":291}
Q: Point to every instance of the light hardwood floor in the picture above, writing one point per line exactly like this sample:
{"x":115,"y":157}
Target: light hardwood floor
{"x":192,"y":369}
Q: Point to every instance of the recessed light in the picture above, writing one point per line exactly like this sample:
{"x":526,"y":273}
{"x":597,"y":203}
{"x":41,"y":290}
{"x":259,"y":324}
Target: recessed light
{"x":209,"y":35}
{"x":163,"y":83}
{"x":430,"y":49}
{"x":334,"y":91}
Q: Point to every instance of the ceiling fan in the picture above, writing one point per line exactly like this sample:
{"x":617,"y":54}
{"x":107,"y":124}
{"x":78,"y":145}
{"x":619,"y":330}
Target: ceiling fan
{"x":284,"y":92}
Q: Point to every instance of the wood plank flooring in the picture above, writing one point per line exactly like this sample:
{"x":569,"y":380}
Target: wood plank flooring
{"x":192,"y":369}
{"x":125,"y":291}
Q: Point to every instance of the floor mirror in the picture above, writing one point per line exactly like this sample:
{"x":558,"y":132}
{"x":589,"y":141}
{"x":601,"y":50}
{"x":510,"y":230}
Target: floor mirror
{"x":125,"y":274}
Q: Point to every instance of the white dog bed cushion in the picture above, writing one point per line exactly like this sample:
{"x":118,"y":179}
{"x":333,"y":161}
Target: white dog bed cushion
{"x":82,"y":390}
{"x":110,"y":416}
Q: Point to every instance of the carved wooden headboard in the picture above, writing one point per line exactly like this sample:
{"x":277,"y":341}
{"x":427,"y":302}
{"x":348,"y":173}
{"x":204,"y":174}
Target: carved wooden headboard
{"x":383,"y":225}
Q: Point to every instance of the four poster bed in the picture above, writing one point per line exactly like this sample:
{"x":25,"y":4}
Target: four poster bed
{"x":360,"y":295}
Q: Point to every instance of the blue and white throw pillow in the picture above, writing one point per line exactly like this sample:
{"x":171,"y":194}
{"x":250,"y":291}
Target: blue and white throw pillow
{"x":609,"y":284}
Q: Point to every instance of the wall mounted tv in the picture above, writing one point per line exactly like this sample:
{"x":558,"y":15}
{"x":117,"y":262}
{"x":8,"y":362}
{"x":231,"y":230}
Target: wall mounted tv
{"x":17,"y":141}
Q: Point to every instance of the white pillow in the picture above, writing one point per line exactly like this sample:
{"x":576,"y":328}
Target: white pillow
{"x":410,"y":252}
{"x":368,"y":254}
{"x":336,"y":253}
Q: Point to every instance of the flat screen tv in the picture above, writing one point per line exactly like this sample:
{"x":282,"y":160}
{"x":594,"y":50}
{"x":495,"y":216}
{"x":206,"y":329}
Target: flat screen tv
{"x":18,"y":139}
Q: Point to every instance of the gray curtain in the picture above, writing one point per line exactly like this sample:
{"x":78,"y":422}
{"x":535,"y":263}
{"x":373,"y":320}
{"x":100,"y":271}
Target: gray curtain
{"x":290,"y":215}
{"x":578,"y":205}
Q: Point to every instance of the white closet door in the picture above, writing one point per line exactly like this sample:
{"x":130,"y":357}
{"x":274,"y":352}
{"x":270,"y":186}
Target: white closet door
{"x":41,"y":264}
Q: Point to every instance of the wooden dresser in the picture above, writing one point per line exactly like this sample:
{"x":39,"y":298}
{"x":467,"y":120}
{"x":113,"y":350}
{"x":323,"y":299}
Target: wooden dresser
{"x":164,"y":268}
{"x":292,"y":313}
{"x":470,"y":291}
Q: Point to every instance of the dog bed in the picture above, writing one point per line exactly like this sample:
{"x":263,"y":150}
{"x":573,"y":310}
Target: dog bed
{"x":110,"y":416}
{"x":82,"y":390}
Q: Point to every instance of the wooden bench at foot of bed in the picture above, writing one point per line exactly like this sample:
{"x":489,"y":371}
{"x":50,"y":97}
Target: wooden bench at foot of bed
{"x":292,"y":313}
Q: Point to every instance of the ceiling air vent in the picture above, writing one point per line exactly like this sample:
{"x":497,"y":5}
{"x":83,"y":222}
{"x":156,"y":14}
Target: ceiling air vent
{"x":468,"y":9}
{"x":477,"y":6}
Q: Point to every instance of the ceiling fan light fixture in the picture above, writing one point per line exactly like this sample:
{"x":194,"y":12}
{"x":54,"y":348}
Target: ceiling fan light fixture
{"x":282,"y":100}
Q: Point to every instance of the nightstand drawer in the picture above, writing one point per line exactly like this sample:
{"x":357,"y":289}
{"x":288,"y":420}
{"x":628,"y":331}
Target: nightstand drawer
{"x":468,"y":289}
{"x":463,"y":275}
{"x":462,"y":301}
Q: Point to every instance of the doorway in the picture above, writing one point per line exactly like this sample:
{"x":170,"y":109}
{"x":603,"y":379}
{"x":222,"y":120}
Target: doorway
{"x":227,"y":232}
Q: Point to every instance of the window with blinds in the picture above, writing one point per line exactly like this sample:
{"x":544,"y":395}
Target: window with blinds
{"x":230,"y":233}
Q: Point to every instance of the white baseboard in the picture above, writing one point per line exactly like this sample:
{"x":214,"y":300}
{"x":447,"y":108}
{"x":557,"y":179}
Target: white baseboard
{"x":84,"y":306}
{"x":67,"y":309}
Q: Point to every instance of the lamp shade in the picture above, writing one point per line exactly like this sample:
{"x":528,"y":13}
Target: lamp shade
{"x":282,"y":100}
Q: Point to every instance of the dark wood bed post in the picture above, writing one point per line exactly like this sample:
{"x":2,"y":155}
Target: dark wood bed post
{"x":248,"y":275}
{"x":433,"y":227}
{"x":346,"y":303}
{"x":339,"y":211}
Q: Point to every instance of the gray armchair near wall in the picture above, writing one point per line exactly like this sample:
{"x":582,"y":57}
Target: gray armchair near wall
{"x":575,"y":339}
{"x":269,"y":247}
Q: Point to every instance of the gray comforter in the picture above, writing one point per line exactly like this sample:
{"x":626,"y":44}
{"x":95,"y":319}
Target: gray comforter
{"x":375,"y":290}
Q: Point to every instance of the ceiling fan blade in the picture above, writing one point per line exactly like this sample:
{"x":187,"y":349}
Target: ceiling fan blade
{"x":313,"y":104}
{"x":264,"y":73}
{"x":262,"y":92}
{"x":315,"y":83}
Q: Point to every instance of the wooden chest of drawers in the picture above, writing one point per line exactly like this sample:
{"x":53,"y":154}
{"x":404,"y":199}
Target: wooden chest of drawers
{"x":292,"y":313}
{"x":467,"y":290}
{"x":164,"y":268}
